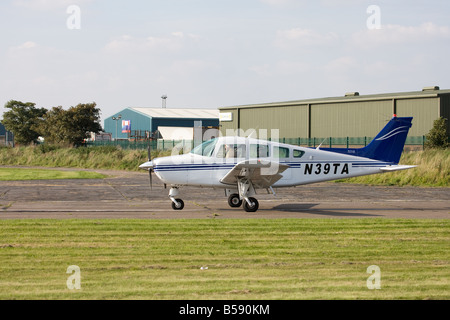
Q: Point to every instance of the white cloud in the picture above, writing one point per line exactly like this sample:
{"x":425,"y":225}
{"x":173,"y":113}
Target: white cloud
{"x":175,"y":42}
{"x":277,"y":2}
{"x":45,"y":5}
{"x":400,"y":35}
{"x":282,"y":68}
{"x":189,"y":69}
{"x":339,"y":3}
{"x":262,"y":70}
{"x":24,"y":51}
{"x":341,"y":65}
{"x":130,"y":44}
{"x":27,"y":45}
{"x":178,"y":34}
{"x":49,"y":76}
{"x":298,"y":37}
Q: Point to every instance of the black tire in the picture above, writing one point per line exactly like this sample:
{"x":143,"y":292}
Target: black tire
{"x":181,"y":205}
{"x":252,"y":208}
{"x":234,"y":201}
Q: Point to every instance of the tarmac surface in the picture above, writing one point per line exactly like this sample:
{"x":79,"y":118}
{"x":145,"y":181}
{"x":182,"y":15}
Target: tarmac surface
{"x":128,"y":195}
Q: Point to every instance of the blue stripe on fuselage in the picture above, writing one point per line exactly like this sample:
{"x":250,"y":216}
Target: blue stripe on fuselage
{"x":296,"y":165}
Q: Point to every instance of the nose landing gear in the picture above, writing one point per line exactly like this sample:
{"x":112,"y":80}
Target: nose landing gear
{"x":177,"y":204}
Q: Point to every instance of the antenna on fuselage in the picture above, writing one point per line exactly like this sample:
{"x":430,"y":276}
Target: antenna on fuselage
{"x":318,"y":148}
{"x":253,"y":134}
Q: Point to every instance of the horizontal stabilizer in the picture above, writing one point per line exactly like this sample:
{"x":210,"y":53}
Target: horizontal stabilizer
{"x":397,"y":168}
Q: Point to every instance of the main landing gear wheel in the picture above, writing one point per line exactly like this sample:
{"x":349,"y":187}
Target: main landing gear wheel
{"x":234,"y":201}
{"x":253,"y":207}
{"x":179,"y":205}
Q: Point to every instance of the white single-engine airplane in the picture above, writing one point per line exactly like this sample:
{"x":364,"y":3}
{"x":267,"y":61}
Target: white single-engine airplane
{"x":243,"y":165}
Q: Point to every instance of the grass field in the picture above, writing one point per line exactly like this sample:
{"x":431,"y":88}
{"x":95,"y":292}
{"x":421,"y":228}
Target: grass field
{"x":433,"y":170}
{"x":15,"y":174}
{"x":86,"y":158}
{"x":226,"y":259}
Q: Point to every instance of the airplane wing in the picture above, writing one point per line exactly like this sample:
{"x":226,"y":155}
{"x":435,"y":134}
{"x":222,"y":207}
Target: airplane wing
{"x":263,"y":174}
{"x":396,"y":168}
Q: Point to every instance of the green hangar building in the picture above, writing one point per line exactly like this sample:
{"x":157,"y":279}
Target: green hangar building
{"x":341,"y":118}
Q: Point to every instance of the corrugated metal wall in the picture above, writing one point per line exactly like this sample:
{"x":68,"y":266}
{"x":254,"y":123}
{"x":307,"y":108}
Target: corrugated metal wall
{"x":291,"y":121}
{"x":322,"y":119}
{"x":351,"y":119}
{"x":230,"y":125}
{"x":424,"y":111}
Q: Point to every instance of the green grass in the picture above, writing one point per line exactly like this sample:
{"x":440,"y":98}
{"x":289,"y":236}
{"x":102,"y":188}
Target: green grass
{"x":108,"y":157}
{"x":246,"y":259}
{"x":433,"y":170}
{"x":14,"y":174}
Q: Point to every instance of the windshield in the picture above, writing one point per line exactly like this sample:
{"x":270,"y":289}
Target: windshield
{"x":206,"y":148}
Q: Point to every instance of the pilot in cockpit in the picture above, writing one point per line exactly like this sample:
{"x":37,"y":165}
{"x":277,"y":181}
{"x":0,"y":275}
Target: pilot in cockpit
{"x":229,"y":151}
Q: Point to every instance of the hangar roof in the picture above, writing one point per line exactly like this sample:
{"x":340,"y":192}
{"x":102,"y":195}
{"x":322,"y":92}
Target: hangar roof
{"x":178,"y":113}
{"x":425,"y":93}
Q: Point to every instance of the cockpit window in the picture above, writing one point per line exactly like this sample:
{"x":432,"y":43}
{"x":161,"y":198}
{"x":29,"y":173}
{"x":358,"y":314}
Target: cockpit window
{"x":259,"y":151}
{"x":205,"y":149}
{"x":230,"y":150}
{"x":280,"y":152}
{"x":298,"y":153}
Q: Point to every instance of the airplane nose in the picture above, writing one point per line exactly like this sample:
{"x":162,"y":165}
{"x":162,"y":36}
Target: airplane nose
{"x":146,"y":166}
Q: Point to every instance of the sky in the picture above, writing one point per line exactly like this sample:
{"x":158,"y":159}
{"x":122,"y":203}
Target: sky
{"x":217,"y":53}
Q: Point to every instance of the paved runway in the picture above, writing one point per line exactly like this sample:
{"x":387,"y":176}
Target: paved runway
{"x":128,"y":195}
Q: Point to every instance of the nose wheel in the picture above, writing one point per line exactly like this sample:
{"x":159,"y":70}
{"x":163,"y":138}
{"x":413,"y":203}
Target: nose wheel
{"x":177,"y":204}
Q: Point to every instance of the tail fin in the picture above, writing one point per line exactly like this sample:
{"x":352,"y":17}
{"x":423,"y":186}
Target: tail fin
{"x":387,"y":145}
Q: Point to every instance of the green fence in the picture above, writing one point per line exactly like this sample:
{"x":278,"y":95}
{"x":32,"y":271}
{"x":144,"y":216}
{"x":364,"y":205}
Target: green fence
{"x":329,"y":142}
{"x":346,"y":142}
{"x":155,"y":145}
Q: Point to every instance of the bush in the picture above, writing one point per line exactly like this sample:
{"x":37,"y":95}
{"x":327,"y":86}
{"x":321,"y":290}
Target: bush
{"x":437,"y":138}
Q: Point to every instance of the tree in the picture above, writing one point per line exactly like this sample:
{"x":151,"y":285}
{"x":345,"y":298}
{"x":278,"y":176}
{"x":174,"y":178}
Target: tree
{"x":84,"y":119}
{"x":71,"y":126}
{"x":54,"y":126}
{"x":23,"y":119}
{"x":438,"y":135}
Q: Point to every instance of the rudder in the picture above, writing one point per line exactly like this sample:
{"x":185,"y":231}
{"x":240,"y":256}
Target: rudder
{"x":389,"y":143}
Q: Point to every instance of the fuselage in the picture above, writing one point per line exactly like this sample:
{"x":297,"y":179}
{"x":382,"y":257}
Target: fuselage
{"x":208,"y":163}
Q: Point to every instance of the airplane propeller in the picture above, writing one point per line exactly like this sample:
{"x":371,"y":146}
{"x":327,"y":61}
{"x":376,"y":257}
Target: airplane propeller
{"x":148,"y":166}
{"x":150,"y":170}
